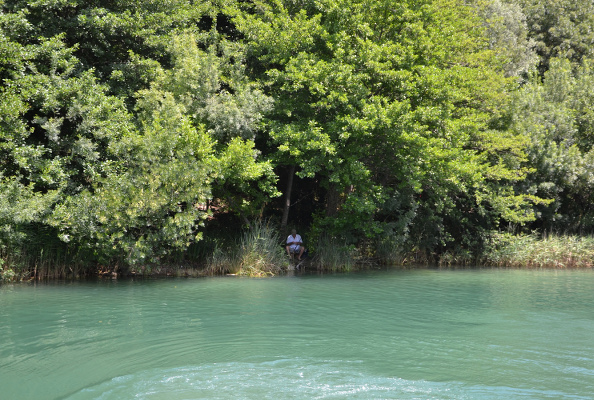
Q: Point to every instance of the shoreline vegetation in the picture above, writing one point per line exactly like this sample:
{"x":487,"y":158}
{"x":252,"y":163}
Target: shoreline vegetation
{"x":259,"y":252}
{"x":186,"y":138}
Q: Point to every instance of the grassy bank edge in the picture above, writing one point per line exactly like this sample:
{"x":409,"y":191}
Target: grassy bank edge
{"x":536,"y":251}
{"x":259,"y":252}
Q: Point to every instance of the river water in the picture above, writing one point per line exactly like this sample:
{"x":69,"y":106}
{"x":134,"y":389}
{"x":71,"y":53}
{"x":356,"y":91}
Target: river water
{"x":381,"y":334}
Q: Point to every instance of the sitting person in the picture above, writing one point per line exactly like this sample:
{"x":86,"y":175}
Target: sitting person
{"x":295,"y":245}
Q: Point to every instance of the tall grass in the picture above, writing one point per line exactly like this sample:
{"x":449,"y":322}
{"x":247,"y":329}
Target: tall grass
{"x":20,"y":265}
{"x":255,"y":251}
{"x":533,"y":251}
{"x":258,"y":252}
{"x":458,"y":257}
{"x":393,"y":249}
{"x":389,"y":251}
{"x":42,"y":258}
{"x":332,"y":255}
{"x":223,"y":261}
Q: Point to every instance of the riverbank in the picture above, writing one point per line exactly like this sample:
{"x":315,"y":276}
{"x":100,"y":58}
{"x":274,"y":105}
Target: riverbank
{"x":534,"y":251}
{"x":259,"y":253}
{"x":530,"y":251}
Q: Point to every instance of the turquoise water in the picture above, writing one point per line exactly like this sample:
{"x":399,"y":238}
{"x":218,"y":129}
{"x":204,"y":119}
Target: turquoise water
{"x":385,"y":334}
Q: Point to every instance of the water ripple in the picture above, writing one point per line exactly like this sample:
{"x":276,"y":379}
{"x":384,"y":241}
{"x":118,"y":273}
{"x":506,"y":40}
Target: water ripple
{"x":292,"y":379}
{"x":423,"y":334}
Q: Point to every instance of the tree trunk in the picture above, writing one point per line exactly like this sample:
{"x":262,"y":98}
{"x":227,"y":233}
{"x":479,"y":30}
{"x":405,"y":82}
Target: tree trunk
{"x":332,"y":200}
{"x":288,"y":191}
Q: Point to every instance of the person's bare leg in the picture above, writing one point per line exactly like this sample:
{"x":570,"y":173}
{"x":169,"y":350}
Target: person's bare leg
{"x":301,"y":250}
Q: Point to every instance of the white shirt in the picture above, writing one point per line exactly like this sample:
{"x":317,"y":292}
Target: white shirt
{"x":291,"y":240}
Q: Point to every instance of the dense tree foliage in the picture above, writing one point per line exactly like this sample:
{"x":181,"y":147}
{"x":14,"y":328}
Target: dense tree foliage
{"x":507,"y":32}
{"x":555,"y":114}
{"x":128,"y":127}
{"x":560,"y":28}
{"x":393,"y":111}
{"x":130,"y":184}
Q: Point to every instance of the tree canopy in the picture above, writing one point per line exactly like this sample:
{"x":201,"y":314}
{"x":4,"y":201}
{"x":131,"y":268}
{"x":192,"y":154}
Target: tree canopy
{"x":394,"y":111}
{"x":129,"y":127}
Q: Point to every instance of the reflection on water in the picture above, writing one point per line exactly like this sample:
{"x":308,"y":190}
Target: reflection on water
{"x":425,"y":334}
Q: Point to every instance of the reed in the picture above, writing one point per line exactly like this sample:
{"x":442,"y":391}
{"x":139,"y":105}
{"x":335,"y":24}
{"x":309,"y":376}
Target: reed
{"x":21,"y":267}
{"x":389,"y":251}
{"x":535,"y":251}
{"x":256,"y":253}
{"x":457,"y":258}
{"x":259,"y":251}
{"x":37,"y":253}
{"x":393,"y":249}
{"x":333,"y":255}
{"x":222,"y":261}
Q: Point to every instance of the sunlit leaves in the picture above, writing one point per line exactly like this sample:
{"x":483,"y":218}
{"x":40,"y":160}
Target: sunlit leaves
{"x":154,"y":200}
{"x":398,"y":97}
{"x":20,"y":205}
{"x":507,"y":31}
{"x":56,"y":122}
